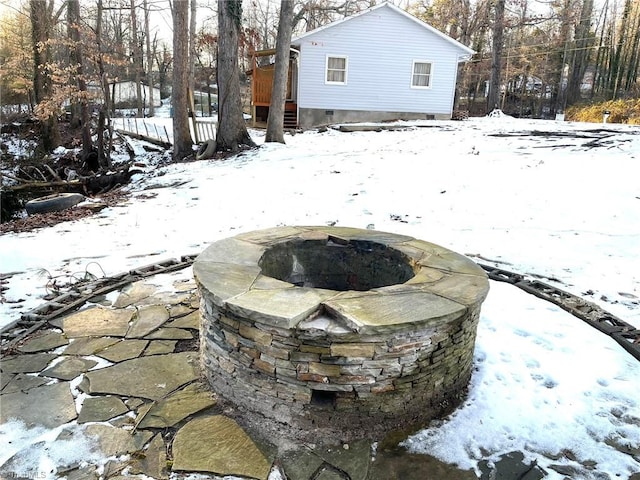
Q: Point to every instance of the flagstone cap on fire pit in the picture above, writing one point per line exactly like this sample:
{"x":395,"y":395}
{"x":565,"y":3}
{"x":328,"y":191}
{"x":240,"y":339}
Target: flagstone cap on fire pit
{"x":370,"y":281}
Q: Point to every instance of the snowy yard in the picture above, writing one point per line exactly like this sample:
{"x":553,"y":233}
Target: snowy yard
{"x":565,"y":208}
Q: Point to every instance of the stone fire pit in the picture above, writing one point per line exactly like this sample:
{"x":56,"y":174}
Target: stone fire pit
{"x":337,"y":331}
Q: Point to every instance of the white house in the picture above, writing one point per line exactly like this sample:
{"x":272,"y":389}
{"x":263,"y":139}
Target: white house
{"x":380,"y":64}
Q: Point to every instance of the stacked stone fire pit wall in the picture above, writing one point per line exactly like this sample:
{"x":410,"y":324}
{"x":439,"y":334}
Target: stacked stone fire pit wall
{"x":336,"y":329}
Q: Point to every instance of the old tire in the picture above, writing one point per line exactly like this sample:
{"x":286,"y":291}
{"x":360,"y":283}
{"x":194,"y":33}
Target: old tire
{"x":206,"y":150}
{"x":53,"y":203}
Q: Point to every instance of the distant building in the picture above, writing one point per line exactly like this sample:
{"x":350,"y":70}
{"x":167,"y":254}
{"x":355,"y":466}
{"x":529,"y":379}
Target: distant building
{"x":124,"y":94}
{"x":380,"y":64}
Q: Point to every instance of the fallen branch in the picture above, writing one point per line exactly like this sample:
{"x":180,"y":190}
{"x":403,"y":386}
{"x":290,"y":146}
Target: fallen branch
{"x":53,"y":173}
{"x":11,"y":177}
{"x":75,"y":185}
{"x":146,"y":138}
{"x":102,"y":183}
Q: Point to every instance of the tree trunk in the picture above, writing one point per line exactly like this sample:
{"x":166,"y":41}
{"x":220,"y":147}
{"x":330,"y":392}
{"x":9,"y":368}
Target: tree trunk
{"x":181,"y":135}
{"x":599,"y":67}
{"x":73,"y":16}
{"x":40,"y":33}
{"x":633,"y":63}
{"x":496,"y":62}
{"x":192,"y":47}
{"x":581,"y":53}
{"x":163,"y":62}
{"x":232,"y":132}
{"x":137,"y":59}
{"x":150,"y":82}
{"x":104,"y":119}
{"x":275,"y":121}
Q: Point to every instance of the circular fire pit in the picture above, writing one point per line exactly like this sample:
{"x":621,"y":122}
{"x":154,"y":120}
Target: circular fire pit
{"x":338,"y":331}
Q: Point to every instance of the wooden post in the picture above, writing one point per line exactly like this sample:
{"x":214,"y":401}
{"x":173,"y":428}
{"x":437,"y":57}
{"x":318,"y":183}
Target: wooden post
{"x":192,"y":110}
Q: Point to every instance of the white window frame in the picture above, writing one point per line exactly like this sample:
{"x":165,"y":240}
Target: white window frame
{"x":326,"y":69}
{"x":413,"y":74}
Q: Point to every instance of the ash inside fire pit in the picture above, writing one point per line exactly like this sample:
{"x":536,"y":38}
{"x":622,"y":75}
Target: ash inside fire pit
{"x":321,"y":333}
{"x":336,"y":264}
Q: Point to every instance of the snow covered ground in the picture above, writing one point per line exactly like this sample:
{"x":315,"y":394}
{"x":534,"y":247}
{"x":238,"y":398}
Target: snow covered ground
{"x":563,"y":207}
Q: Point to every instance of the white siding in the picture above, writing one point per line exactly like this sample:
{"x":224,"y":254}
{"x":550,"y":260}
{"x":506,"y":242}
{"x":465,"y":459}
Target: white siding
{"x":381,"y":46}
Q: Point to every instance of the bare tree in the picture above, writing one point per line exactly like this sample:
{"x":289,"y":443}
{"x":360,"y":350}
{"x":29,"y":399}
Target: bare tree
{"x":496,"y":62}
{"x":624,"y":60}
{"x":232,"y":134}
{"x":164,"y":60}
{"x":104,"y":119}
{"x":275,"y":121}
{"x":192,"y":46}
{"x":565,"y":18}
{"x":581,"y":52}
{"x":136,"y":55}
{"x":41,"y":25}
{"x":149,"y":74}
{"x":317,"y":13}
{"x":182,"y":144}
{"x":77,"y":63}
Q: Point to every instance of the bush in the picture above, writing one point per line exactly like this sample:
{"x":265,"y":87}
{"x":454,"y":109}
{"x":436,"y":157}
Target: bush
{"x":621,"y":111}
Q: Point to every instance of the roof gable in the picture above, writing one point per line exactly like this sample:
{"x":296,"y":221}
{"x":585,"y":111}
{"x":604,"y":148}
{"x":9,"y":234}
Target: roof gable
{"x":392,"y":8}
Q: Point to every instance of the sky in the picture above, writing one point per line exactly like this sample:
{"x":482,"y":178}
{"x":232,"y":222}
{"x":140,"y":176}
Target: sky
{"x":549,"y":207}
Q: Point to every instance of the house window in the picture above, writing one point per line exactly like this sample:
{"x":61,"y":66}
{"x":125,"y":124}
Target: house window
{"x":421,"y":74}
{"x":336,"y":70}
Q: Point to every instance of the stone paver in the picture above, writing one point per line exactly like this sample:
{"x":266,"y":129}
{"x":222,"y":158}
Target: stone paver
{"x":176,"y":407}
{"x":89,"y":345}
{"x":23,"y":382}
{"x":160,"y":347}
{"x":69,"y":368}
{"x":173,"y":298}
{"x":100,"y":409}
{"x":43,"y":341}
{"x":170,"y":334}
{"x":354,"y":460}
{"x":217,"y":444}
{"x":301,"y":464}
{"x":5,"y":378}
{"x":134,"y":293}
{"x":192,"y":320}
{"x":151,"y":377}
{"x":97,"y":322}
{"x":30,"y":363}
{"x":178,"y":311}
{"x":48,"y":406}
{"x":153,"y":461}
{"x":148,"y":319}
{"x":116,"y":441}
{"x":123,"y":350}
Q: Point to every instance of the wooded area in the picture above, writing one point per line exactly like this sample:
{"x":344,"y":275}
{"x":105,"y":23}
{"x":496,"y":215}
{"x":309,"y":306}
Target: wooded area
{"x":60,"y":59}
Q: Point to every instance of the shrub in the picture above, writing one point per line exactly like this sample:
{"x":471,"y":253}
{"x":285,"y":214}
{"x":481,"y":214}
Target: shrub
{"x":621,"y":111}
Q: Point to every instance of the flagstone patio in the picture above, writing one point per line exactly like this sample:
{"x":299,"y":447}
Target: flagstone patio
{"x":121,"y":378}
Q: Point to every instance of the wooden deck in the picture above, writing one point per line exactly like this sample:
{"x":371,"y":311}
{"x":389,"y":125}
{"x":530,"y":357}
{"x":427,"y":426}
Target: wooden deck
{"x":261,"y":88}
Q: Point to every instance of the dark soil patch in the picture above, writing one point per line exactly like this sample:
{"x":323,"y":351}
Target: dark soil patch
{"x":42,"y":220}
{"x":192,"y":345}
